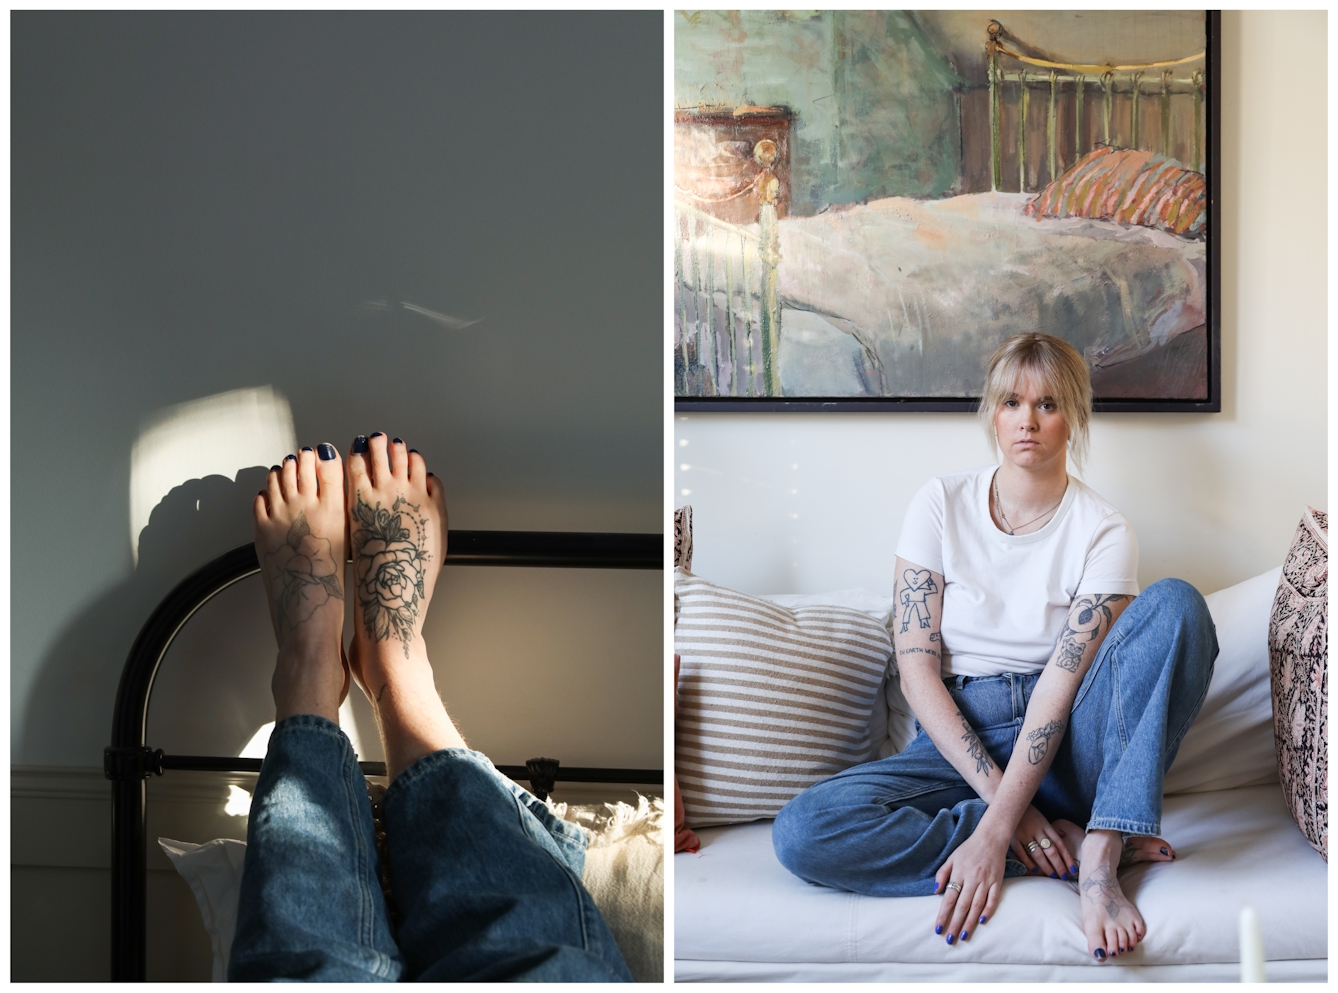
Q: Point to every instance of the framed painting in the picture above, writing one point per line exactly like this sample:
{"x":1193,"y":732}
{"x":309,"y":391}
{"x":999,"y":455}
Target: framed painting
{"x":866,"y":204}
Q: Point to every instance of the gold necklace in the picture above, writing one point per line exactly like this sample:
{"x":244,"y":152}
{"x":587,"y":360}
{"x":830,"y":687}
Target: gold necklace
{"x":998,"y":503}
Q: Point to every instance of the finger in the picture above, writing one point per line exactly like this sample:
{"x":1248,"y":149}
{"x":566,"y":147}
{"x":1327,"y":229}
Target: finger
{"x":991,"y":902}
{"x":1065,"y":853}
{"x":977,"y":912}
{"x":1020,"y":850}
{"x":1053,"y":861}
{"x":946,"y":907}
{"x":963,"y":906}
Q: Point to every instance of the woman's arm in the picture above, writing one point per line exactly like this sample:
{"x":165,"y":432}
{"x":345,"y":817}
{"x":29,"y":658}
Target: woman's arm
{"x":916,"y":634}
{"x":974,"y":862}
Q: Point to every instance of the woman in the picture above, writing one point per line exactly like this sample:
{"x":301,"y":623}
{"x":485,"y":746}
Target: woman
{"x":1047,"y":695}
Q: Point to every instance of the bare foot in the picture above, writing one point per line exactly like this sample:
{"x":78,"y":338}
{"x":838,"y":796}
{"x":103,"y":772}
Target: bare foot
{"x":397,"y":527}
{"x":300,"y":544}
{"x":1138,"y":848}
{"x":1112,"y":924}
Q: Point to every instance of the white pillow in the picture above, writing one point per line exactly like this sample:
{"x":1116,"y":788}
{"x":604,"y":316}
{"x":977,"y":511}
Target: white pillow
{"x":1230,"y":743}
{"x":214,"y":872}
{"x":624,"y":873}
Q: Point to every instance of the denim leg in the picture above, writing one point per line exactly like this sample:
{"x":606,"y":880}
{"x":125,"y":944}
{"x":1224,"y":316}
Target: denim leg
{"x":487,"y":883}
{"x":310,"y":906}
{"x":883,"y":828}
{"x":1144,"y":689}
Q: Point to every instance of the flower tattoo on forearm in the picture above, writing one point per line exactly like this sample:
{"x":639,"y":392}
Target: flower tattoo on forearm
{"x":388,"y":550}
{"x":308,"y":575}
{"x":1088,"y":621}
{"x":1040,"y":741}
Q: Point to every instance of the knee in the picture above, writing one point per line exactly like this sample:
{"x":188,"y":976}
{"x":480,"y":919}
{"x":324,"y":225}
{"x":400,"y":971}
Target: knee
{"x":797,"y":834}
{"x":1176,"y":599}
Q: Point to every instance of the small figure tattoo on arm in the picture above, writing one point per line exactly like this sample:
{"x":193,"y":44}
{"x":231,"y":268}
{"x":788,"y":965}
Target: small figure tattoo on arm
{"x":1088,"y":621}
{"x":308,"y":575}
{"x":387,"y":547}
{"x":917,"y":585}
{"x":1040,"y":741}
{"x":974,"y":748}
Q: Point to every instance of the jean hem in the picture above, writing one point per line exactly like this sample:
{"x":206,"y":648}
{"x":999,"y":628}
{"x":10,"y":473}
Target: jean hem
{"x":1126,"y":828}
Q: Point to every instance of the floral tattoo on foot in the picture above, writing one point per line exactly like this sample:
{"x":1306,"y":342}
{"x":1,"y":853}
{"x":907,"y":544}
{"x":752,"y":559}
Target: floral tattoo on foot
{"x":388,"y":549}
{"x":307,"y":572}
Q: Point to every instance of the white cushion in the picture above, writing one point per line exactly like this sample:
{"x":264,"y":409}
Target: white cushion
{"x":1230,"y":743}
{"x":735,"y":902}
{"x":214,"y":873}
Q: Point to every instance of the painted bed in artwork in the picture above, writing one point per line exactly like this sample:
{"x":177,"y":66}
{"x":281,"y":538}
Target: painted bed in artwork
{"x":1102,"y":239}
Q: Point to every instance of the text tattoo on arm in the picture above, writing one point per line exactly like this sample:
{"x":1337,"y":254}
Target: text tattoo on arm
{"x":917,"y":585}
{"x":1040,"y":741}
{"x":1088,"y":621}
{"x":974,"y":748}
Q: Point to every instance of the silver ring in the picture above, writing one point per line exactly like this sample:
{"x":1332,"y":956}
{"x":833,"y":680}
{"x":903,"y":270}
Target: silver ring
{"x":1031,"y":847}
{"x":1045,"y":843}
{"x":953,"y":886}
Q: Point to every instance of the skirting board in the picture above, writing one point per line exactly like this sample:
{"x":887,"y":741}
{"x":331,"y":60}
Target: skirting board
{"x":687,"y":971}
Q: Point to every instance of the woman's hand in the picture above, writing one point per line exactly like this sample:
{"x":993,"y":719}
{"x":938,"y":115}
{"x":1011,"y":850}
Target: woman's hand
{"x":1056,"y":860}
{"x":977,"y":864}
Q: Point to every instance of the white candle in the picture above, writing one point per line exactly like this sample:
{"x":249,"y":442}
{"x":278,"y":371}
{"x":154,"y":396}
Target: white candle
{"x":1251,"y":947}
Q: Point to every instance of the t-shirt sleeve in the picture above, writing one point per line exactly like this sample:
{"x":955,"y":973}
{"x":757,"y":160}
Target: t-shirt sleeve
{"x":921,"y":539}
{"x":1112,"y":559}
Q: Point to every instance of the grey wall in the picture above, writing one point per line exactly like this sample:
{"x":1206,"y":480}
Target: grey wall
{"x":209,"y":202}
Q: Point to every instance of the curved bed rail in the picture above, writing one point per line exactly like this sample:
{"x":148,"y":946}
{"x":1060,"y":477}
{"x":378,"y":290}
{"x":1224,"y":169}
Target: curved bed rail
{"x":129,"y":761}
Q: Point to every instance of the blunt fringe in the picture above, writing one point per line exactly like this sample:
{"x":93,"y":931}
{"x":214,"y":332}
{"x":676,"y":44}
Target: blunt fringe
{"x":1059,"y":366}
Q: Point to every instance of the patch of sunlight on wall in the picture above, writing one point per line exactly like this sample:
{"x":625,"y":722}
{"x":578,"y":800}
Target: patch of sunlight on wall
{"x":214,"y":436}
{"x":259,"y":743}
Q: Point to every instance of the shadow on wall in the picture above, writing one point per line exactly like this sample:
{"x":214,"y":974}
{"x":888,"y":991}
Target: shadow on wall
{"x":194,"y":523}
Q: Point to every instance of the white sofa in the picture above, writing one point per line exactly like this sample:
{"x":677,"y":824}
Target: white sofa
{"x":740,"y":916}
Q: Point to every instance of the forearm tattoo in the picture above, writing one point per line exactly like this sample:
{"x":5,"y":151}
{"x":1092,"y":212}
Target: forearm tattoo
{"x":974,"y":748}
{"x":389,"y":560}
{"x":1087,"y":622}
{"x":917,"y":585}
{"x":1040,"y":741}
{"x":307,"y":572}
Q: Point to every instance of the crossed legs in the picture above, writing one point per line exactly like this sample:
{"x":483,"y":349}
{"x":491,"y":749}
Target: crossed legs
{"x":486,"y":882}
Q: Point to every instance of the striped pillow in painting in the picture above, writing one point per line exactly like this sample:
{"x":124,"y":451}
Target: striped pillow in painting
{"x":770,"y":699}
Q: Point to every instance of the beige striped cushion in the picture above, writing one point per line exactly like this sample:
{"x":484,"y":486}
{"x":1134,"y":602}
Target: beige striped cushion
{"x":770,"y":699}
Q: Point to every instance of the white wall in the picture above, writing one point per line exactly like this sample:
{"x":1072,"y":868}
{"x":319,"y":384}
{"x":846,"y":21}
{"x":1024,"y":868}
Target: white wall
{"x":807,"y":503}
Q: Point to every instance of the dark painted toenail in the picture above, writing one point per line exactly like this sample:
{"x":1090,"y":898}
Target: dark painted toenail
{"x":375,"y":434}
{"x":397,"y":441}
{"x":287,"y":457}
{"x":359,"y":445}
{"x":938,"y":928}
{"x":307,"y":448}
{"x":1100,"y":953}
{"x":274,"y":468}
{"x":413,"y":451}
{"x":325,"y":451}
{"x":1165,"y":852}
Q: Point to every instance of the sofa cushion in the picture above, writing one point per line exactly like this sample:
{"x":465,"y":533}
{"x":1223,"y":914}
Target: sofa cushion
{"x":735,"y":902}
{"x":1298,"y":648}
{"x":771,"y":699}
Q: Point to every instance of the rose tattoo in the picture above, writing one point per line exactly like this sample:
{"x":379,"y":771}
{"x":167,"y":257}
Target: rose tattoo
{"x":308,"y":575}
{"x":389,"y":568}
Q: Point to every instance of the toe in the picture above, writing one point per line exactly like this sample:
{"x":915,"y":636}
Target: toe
{"x":306,"y":471}
{"x":329,"y":471}
{"x":260,"y":507}
{"x":417,"y":467}
{"x":397,"y":456}
{"x":274,"y":487}
{"x":358,"y":459}
{"x":288,"y":477}
{"x":378,"y":457}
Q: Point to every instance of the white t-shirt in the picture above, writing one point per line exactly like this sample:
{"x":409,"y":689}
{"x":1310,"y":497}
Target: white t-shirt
{"x":1006,"y":596}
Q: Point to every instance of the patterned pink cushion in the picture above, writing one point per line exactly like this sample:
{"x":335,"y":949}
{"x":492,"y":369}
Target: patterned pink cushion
{"x":1298,"y":654}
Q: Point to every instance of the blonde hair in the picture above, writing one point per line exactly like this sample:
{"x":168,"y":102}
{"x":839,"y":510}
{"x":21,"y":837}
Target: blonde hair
{"x":1062,"y":371}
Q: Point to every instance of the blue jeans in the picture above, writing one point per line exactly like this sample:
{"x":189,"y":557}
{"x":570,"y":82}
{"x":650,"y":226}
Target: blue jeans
{"x":486,"y":882}
{"x":883,"y":828}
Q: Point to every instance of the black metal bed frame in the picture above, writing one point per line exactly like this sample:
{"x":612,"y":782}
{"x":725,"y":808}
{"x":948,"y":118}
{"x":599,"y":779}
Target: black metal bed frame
{"x":129,"y":761}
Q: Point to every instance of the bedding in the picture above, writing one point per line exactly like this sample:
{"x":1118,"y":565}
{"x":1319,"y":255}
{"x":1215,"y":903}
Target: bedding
{"x":624,"y":873}
{"x":899,"y":286}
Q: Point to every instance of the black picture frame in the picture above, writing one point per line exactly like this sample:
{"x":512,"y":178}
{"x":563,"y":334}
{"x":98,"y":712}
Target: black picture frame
{"x":1212,"y":303}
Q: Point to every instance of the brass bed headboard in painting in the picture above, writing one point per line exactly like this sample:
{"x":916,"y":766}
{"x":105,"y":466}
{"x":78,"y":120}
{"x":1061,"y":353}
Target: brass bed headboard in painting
{"x":1176,"y":86}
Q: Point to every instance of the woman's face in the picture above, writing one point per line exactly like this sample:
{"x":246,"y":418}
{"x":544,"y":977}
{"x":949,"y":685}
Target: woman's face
{"x":1031,"y":431}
